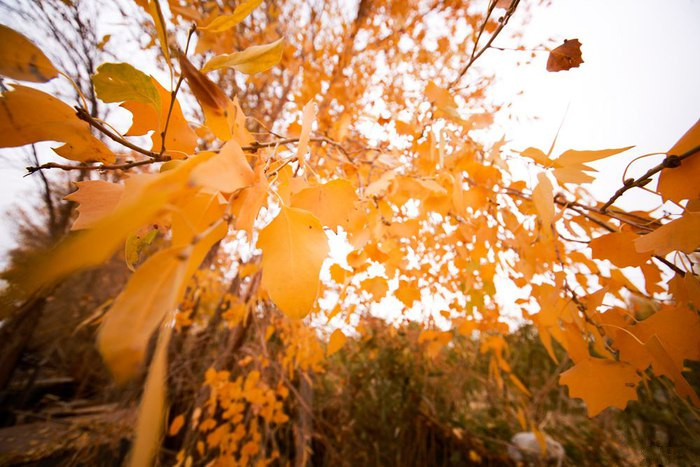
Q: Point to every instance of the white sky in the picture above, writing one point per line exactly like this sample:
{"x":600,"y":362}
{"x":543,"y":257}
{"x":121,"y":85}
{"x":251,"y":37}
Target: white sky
{"x":638,"y":86}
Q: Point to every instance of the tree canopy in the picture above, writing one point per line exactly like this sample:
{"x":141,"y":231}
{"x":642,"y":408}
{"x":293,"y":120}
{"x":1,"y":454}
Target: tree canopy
{"x":289,"y":133}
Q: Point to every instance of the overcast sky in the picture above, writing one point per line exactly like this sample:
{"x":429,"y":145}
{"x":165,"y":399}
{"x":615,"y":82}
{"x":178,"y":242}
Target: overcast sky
{"x":638,"y":86}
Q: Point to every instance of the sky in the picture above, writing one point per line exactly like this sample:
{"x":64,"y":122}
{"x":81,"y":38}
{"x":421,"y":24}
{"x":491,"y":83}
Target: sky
{"x":638,"y":86}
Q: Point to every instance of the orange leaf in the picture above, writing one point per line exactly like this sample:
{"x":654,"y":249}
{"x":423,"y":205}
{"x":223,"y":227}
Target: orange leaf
{"x":618,"y":248}
{"x":681,"y":182}
{"x":601,"y":383}
{"x":22,"y":60}
{"x":566,"y":56}
{"x":682,"y":234}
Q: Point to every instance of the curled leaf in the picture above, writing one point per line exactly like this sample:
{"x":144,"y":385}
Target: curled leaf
{"x":251,"y":60}
{"x":566,"y":56}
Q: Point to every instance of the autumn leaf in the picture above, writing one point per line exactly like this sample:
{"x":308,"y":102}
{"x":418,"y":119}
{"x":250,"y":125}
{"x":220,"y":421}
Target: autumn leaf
{"x":681,"y":234}
{"x":336,"y":342}
{"x":21,"y":59}
{"x":29,"y":116}
{"x":225,"y":22}
{"x":618,"y":248}
{"x":120,"y":82}
{"x":249,"y":61}
{"x":543,"y":197}
{"x":151,"y":413}
{"x":137,"y":312}
{"x":680,"y":183}
{"x":566,"y":56}
{"x":180,"y":139}
{"x":331,"y":202}
{"x":294,"y":247}
{"x":601,"y":384}
{"x":96,"y":199}
{"x":250,"y":200}
{"x":227,"y":171}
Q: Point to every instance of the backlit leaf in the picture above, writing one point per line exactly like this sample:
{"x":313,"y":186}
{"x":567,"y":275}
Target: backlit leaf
{"x":120,"y":82}
{"x":682,"y":234}
{"x":251,"y":60}
{"x":618,"y":248}
{"x":294,"y":247}
{"x":681,"y":182}
{"x":331,"y":202}
{"x":227,"y":171}
{"x":336,"y":342}
{"x":225,"y":22}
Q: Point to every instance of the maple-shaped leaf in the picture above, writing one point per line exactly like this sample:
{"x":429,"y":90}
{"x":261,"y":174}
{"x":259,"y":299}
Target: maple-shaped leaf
{"x":332,"y":202}
{"x":22,"y":60}
{"x":571,"y":166}
{"x":294,"y":247}
{"x":28,"y":116}
{"x":680,"y":182}
{"x":601,"y":383}
{"x":225,"y":22}
{"x":249,"y":61}
{"x":566,"y":56}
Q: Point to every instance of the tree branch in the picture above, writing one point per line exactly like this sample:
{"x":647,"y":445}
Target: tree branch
{"x":670,"y":162}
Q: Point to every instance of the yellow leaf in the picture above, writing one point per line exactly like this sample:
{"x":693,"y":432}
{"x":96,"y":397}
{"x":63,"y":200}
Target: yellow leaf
{"x":22,"y":60}
{"x":94,"y":246}
{"x":225,"y":22}
{"x":151,"y":415}
{"x":338,"y":273}
{"x":308,"y":116}
{"x":618,"y":248}
{"x":148,"y":297}
{"x":543,"y":197}
{"x":251,"y":60}
{"x":407,"y":294}
{"x":176,"y":425}
{"x":96,"y":199}
{"x":681,"y":182}
{"x":251,"y":199}
{"x":227,"y":171}
{"x":294,"y":247}
{"x":157,"y":15}
{"x":331,"y":202}
{"x":336,"y":342}
{"x":28,"y":116}
{"x":572,"y":157}
{"x":377,"y":287}
{"x":682,"y":234}
{"x":601,"y":383}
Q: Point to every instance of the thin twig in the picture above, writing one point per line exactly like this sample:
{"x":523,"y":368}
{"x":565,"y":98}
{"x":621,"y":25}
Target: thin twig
{"x":475,"y":55}
{"x":670,"y":162}
{"x":84,"y":115}
{"x":85,"y":168}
